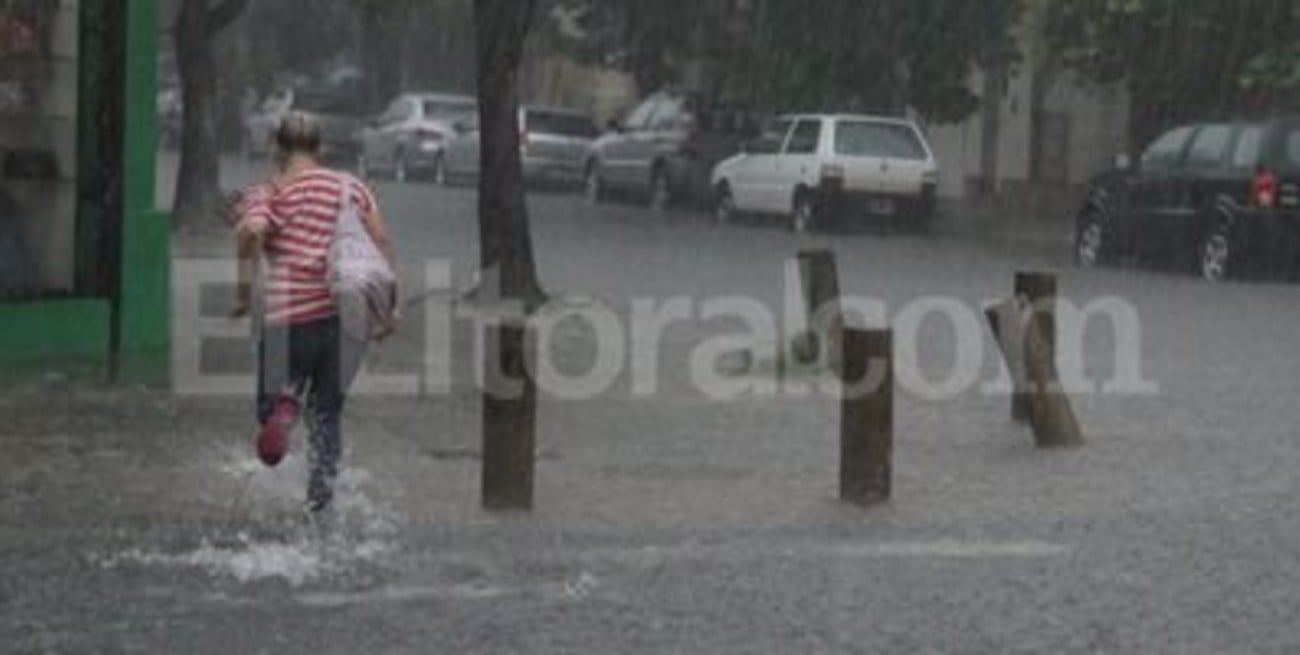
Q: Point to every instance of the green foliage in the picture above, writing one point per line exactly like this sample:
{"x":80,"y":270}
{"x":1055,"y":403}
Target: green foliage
{"x":876,"y":55}
{"x":1181,"y":59}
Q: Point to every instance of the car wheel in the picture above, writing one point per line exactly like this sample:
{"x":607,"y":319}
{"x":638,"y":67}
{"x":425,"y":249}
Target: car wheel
{"x":1090,"y":242}
{"x":401,"y":170}
{"x":724,"y":208}
{"x":593,"y":187}
{"x":801,"y":218}
{"x":660,"y":193}
{"x":440,"y":176}
{"x":1216,"y":254}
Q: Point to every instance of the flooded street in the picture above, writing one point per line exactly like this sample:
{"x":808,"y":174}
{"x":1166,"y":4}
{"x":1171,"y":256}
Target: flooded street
{"x":678,"y":522}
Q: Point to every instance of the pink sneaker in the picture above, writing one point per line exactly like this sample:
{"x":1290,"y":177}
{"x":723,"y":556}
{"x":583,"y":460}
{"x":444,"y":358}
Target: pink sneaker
{"x":273,"y":438}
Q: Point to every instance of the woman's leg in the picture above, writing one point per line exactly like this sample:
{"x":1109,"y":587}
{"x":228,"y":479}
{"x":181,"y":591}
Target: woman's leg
{"x":338,"y":360}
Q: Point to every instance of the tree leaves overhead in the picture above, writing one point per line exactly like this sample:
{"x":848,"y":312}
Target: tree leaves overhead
{"x":870,"y":55}
{"x":1181,"y":59}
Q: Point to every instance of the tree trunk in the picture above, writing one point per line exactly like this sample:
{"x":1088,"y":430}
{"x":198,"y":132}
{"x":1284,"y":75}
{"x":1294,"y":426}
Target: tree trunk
{"x":198,"y":182}
{"x":384,"y":31}
{"x":505,"y":243}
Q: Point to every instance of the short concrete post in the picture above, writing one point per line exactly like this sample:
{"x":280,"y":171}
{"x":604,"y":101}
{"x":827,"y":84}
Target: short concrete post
{"x":1039,"y":291}
{"x":509,"y":419}
{"x":821,"y":292}
{"x":1032,"y":364}
{"x":1050,"y":413}
{"x":867,"y":417}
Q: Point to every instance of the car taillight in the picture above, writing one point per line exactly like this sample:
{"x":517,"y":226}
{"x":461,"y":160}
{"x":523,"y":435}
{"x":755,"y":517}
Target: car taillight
{"x":832,"y":177}
{"x":1263,"y":190}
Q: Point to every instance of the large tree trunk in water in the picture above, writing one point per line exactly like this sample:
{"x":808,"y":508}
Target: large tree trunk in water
{"x":198,"y":181}
{"x":505,"y":243}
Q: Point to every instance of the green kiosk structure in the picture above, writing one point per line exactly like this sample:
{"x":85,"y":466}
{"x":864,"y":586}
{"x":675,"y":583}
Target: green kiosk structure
{"x":84,"y":253}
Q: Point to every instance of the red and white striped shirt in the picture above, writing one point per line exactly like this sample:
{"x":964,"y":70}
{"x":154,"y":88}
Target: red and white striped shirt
{"x":300,"y":218}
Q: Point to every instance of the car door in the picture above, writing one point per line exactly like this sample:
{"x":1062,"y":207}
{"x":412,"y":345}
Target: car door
{"x":382,"y":144}
{"x":1152,"y":190}
{"x":755,"y":172}
{"x":796,"y":163}
{"x":1205,"y":175}
{"x":620,"y":156}
{"x":462,"y":150}
{"x":663,"y":137}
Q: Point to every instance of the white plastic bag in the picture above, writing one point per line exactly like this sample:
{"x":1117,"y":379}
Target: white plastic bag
{"x":361,"y":280}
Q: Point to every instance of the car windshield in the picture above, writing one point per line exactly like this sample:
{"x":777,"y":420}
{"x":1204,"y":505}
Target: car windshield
{"x":323,"y":102}
{"x":448,"y":108}
{"x":877,"y":139}
{"x":562,"y":124}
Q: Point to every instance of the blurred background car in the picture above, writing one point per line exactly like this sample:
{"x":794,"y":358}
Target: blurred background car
{"x":665,"y":149}
{"x":554,"y":143}
{"x":171,"y":111}
{"x":409,"y":137}
{"x":335,"y":110}
{"x":821,"y":167}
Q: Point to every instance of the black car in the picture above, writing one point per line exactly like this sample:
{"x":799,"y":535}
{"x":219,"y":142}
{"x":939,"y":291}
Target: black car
{"x":1221,"y":198}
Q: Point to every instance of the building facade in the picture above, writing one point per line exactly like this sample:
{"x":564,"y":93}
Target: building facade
{"x":84,"y":253}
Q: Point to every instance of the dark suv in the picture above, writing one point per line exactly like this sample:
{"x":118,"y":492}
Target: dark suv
{"x":1222,"y":198}
{"x":666,"y":148}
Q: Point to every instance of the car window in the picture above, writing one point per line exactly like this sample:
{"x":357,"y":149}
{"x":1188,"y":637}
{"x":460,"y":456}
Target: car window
{"x":669,"y":115}
{"x":323,"y":102}
{"x":1209,"y":147}
{"x":1249,"y":150}
{"x":561,"y":123}
{"x":445,"y":109}
{"x":806,"y":137}
{"x":771,"y":139}
{"x":1291,"y":150}
{"x":877,"y":139}
{"x":640,"y":117}
{"x":1167,"y":151}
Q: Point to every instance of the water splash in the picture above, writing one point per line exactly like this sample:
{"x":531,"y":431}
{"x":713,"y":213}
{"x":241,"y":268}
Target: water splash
{"x":272,"y":538}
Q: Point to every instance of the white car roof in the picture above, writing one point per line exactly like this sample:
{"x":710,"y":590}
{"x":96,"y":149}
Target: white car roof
{"x":892,"y":120}
{"x":442,"y":97}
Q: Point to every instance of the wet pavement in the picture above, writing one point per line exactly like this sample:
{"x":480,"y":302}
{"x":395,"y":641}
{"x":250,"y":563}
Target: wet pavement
{"x":673,"y":522}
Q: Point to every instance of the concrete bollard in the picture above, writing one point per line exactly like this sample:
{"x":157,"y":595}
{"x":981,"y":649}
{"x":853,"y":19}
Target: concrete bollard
{"x":821,"y":291}
{"x":1032,"y":364}
{"x":509,"y":419}
{"x":1039,"y":291}
{"x":1050,"y":413}
{"x":867,"y":417}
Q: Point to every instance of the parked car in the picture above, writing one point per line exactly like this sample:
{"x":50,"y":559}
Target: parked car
{"x":665,"y":149}
{"x":170,"y":116}
{"x":1222,"y":198}
{"x":410,"y":136}
{"x":814,"y":167}
{"x":337,"y":113}
{"x":554,"y":146}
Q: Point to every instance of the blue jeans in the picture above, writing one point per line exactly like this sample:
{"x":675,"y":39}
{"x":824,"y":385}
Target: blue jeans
{"x":317,"y":362}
